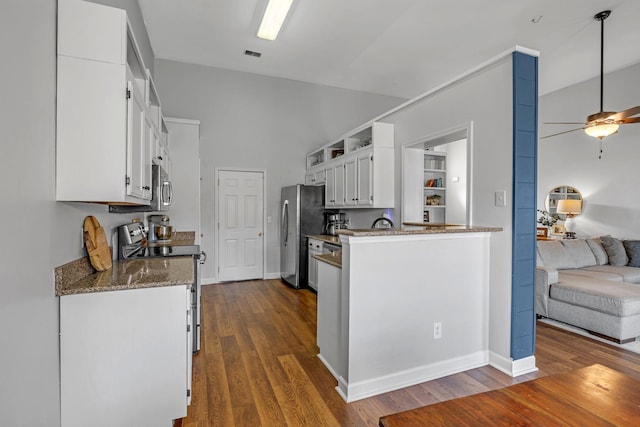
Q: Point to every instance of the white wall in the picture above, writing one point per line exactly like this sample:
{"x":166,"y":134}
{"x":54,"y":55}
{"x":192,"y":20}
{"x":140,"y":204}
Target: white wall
{"x":258,"y":122}
{"x":485,"y":100}
{"x":456,"y":190}
{"x":39,"y":233}
{"x":609,"y":185}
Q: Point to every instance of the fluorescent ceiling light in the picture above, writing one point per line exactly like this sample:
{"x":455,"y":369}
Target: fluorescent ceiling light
{"x":273,"y":18}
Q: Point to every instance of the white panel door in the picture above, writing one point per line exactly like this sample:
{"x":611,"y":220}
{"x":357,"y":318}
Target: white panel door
{"x":240,"y":222}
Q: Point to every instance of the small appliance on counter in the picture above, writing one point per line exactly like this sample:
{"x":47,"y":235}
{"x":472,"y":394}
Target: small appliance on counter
{"x":159,"y":229}
{"x":334,"y":222}
{"x":132,"y":245}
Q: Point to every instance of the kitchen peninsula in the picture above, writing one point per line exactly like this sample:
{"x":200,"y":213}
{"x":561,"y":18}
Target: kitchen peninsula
{"x":409,"y":305}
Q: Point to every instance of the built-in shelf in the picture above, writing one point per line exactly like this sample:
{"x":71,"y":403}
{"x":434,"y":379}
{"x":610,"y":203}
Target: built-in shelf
{"x":435,"y":174}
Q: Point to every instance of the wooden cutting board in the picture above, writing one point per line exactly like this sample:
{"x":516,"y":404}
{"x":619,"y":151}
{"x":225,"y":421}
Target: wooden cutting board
{"x":96,"y":243}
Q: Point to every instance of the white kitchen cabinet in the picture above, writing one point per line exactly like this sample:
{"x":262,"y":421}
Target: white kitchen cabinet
{"x":124,"y":357}
{"x":335,"y":185}
{"x":365,"y":179}
{"x":102,"y":151}
{"x":314,"y":248}
{"x":315,"y":176}
{"x":366,"y":157}
{"x":350,"y":181}
{"x":185,"y":157}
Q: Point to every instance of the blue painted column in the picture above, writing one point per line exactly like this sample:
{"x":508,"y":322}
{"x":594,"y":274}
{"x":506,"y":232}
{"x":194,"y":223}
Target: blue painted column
{"x":525,"y":160}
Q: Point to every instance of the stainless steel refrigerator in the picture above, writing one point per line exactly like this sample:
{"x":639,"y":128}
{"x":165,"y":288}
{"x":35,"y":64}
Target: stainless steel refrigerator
{"x":302,"y":209}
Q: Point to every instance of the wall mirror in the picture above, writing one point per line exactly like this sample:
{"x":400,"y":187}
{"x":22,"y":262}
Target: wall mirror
{"x":561,"y":193}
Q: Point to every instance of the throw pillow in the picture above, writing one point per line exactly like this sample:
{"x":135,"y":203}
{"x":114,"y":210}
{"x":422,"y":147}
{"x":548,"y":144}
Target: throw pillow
{"x":633,"y":252}
{"x":615,"y":250}
{"x":598,"y":251}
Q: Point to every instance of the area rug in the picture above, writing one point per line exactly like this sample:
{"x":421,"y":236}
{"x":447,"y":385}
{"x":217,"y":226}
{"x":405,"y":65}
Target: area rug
{"x":633,"y":346}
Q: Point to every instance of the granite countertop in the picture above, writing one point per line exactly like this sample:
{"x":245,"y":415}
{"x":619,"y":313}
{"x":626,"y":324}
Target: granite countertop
{"x":334,"y":258}
{"x":326,"y":238}
{"x":419,"y":228}
{"x":133,"y":274}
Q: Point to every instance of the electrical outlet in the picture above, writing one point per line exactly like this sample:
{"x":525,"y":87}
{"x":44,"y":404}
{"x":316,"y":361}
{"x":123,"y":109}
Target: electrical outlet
{"x":437,"y":330}
{"x":501,"y":198}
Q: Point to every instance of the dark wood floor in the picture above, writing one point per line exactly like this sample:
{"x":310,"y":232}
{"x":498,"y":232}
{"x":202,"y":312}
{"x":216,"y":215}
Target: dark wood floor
{"x":258,"y":364}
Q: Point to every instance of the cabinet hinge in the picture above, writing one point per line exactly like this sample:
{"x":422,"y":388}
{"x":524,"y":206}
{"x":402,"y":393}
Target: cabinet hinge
{"x":128,"y":95}
{"x":188,"y":393}
{"x":127,"y":180}
{"x":188,"y":328}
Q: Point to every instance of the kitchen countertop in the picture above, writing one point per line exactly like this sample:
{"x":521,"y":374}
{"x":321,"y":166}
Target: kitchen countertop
{"x":419,"y":228}
{"x":334,"y":258}
{"x":326,"y":238}
{"x":133,"y":274}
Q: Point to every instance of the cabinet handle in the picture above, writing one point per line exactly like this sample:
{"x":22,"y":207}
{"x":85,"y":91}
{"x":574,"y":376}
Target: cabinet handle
{"x":159,"y":157}
{"x":146,"y":187}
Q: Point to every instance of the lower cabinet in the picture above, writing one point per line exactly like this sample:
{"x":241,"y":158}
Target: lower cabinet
{"x":315,"y":248}
{"x":124,"y":357}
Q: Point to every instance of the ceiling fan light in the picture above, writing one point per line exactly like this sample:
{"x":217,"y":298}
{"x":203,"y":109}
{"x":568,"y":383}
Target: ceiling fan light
{"x":273,"y":18}
{"x":602,"y":130}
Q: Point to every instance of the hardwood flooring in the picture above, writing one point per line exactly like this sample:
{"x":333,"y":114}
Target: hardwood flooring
{"x":258,"y":366}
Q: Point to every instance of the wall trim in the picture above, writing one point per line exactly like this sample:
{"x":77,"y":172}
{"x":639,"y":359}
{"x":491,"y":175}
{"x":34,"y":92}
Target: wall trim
{"x":512,"y":367}
{"x":398,"y":380}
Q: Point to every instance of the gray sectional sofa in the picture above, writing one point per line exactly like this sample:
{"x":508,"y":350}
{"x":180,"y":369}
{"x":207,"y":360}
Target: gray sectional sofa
{"x":593,"y":284}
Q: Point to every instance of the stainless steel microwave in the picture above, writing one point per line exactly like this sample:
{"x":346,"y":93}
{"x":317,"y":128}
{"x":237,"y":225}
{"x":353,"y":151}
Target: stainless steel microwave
{"x":161,"y":194}
{"x":161,"y":190}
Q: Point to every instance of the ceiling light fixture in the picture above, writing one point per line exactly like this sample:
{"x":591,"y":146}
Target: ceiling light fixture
{"x":601,"y":130}
{"x":273,"y":18}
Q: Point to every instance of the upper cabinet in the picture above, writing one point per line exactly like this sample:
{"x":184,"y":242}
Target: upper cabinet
{"x":108,"y":109}
{"x":358,"y":170}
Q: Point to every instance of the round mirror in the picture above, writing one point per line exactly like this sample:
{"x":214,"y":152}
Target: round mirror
{"x":561,"y":193}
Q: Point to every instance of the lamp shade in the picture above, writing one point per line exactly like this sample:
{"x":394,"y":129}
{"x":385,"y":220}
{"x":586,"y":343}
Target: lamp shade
{"x":601,"y":130}
{"x":569,"y":206}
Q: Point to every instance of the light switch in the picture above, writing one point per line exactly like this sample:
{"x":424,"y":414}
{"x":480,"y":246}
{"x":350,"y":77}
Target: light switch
{"x":501,"y":198}
{"x":269,"y":219}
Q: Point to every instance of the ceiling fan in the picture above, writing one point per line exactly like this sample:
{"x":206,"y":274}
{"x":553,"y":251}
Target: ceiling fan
{"x":602,"y":123}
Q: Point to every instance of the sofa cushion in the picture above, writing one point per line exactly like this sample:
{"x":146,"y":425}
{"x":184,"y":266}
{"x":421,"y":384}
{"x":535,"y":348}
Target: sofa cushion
{"x":555,"y":255}
{"x":598,"y":251}
{"x":629,"y":274}
{"x":615,"y":298}
{"x":580,"y":252}
{"x":632,"y":247}
{"x":592,"y":274}
{"x":615,"y":250}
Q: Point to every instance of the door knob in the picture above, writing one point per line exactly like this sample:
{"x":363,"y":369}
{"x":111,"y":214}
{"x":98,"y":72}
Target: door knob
{"x":260,"y":234}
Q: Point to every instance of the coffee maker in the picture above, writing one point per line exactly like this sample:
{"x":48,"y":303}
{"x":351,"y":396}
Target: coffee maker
{"x":334,"y":222}
{"x":159,"y":229}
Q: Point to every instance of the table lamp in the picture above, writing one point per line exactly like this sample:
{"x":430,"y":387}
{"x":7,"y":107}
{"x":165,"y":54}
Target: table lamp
{"x":569,"y":207}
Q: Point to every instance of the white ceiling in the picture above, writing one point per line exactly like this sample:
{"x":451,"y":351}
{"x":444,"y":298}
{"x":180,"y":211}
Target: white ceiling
{"x":396,"y":47}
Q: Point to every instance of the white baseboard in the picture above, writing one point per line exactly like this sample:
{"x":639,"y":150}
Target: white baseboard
{"x":513,"y":368}
{"x":398,"y":380}
{"x":214,"y":280}
{"x":329,"y":367}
